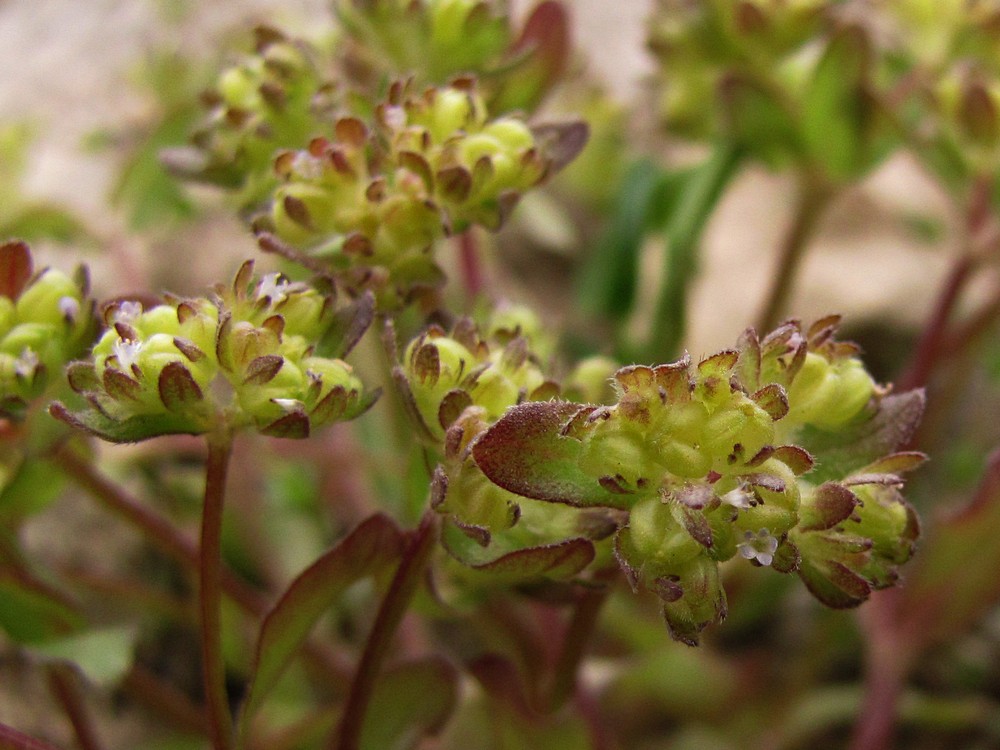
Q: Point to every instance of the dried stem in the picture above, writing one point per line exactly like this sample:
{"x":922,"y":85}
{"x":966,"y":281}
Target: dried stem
{"x":210,"y":593}
{"x":397,"y":599}
{"x":813,"y":198}
{"x":66,"y":689}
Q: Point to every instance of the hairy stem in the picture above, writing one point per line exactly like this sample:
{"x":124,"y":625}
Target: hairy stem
{"x":397,"y":600}
{"x":65,"y":687}
{"x":210,"y":593}
{"x":813,"y":198}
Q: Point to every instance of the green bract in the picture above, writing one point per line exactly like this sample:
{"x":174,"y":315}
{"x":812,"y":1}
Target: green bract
{"x":245,"y":358}
{"x":779,"y":451}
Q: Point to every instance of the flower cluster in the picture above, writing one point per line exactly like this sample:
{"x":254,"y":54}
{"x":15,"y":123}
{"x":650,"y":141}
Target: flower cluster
{"x":46,"y":319}
{"x":253,"y":355}
{"x":789,"y":82}
{"x":275,"y":98}
{"x":373,"y":200}
{"x":434,"y":41}
{"x":779,"y":451}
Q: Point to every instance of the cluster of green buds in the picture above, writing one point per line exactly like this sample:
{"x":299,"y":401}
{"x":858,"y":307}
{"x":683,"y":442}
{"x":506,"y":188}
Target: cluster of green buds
{"x":275,"y":98}
{"x":779,"y":451}
{"x":373,"y":200}
{"x":264,"y":354}
{"x":46,"y":319}
{"x":434,"y":41}
{"x":788,"y":82}
{"x":442,"y":373}
{"x":456,"y":386}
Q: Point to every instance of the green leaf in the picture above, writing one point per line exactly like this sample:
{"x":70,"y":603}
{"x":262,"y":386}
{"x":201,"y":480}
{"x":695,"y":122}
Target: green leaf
{"x":607,"y":283}
{"x":36,"y":484}
{"x":104,"y":656}
{"x":131,"y":430}
{"x":525,"y":453}
{"x":30,"y":613}
{"x":699,"y":195}
{"x":410,"y":702}
{"x":145,"y":188}
{"x":372,"y":548}
{"x":500,"y":564}
{"x":37,"y":221}
{"x":759,"y":121}
{"x":841,"y":453}
{"x":836,"y":109}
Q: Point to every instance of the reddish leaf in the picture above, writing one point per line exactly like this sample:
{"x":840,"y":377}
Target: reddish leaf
{"x":772,"y":399}
{"x":525,"y":453}
{"x":830,"y":505}
{"x":178,"y":389}
{"x":294,"y":426}
{"x":15,"y":268}
{"x":953,"y":580}
{"x":372,"y":549}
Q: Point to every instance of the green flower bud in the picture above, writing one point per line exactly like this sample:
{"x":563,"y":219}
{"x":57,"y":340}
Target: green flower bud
{"x":827,"y":394}
{"x":53,"y":298}
{"x":655,"y":538}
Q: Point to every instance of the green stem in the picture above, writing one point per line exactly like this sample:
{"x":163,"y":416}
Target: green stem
{"x":210,"y":593}
{"x":397,"y":600}
{"x":814,"y":196}
{"x":683,"y":233}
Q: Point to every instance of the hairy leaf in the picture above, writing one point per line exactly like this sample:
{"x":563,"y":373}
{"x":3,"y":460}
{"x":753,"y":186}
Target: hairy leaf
{"x":525,"y":453}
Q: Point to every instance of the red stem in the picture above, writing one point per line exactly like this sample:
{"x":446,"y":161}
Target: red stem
{"x":210,"y":594}
{"x":470,"y":265}
{"x":11,"y":739}
{"x":63,"y":683}
{"x":397,"y":599}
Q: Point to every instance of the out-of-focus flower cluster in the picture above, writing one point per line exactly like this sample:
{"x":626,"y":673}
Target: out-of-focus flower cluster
{"x":46,"y":319}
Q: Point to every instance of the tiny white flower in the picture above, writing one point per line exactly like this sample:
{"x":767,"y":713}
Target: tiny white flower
{"x":126,"y":312}
{"x":24,"y":365}
{"x":760,"y":546}
{"x":274,"y":287}
{"x":289,"y":404}
{"x":395,"y":117}
{"x":127,"y":353}
{"x":739,"y":497}
{"x":307,"y":166}
{"x":69,"y":307}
